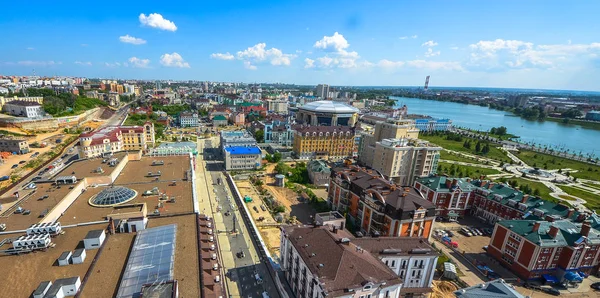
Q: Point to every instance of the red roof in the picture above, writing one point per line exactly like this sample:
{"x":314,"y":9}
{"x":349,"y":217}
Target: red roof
{"x":111,"y":133}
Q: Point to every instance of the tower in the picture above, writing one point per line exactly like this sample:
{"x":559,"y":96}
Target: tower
{"x":426,"y":82}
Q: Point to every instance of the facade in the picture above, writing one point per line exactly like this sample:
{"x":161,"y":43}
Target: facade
{"x":21,"y":108}
{"x":549,"y":250}
{"x":389,"y":129}
{"x":403,"y":160}
{"x":322,"y":91}
{"x":35,"y":99}
{"x":238,"y":118}
{"x":242,"y":158}
{"x":318,"y":172}
{"x":116,"y":138}
{"x":327,"y":113}
{"x":188,"y":119}
{"x":324,"y":142}
{"x":593,"y":115}
{"x":64,"y":287}
{"x":487,"y":200}
{"x":10,"y":145}
{"x":236,"y":138}
{"x":432,"y":124}
{"x":378,"y":207}
{"x":279,"y":106}
{"x":219,"y":120}
{"x":320,"y":263}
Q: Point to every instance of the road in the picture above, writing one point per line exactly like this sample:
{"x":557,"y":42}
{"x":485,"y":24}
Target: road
{"x":233,"y":235}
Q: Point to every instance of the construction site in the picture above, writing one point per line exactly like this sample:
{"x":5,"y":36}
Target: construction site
{"x":79,"y":230}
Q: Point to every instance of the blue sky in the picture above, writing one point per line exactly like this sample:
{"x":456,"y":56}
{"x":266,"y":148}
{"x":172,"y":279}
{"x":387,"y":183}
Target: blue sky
{"x":510,"y":43}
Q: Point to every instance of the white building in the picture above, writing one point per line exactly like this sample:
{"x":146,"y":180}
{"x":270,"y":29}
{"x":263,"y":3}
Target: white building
{"x":64,"y":258}
{"x":20,"y":108}
{"x":64,"y":287}
{"x":321,"y":263}
{"x":242,"y":158}
{"x":94,"y":239}
{"x":78,"y":256}
{"x":42,"y":289}
{"x":322,"y":91}
{"x":279,"y":106}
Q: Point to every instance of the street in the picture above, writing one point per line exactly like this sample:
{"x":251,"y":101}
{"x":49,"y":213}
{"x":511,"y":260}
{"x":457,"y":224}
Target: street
{"x":246,"y":276}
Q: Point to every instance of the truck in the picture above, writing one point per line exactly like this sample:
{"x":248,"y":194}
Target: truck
{"x":4,"y":178}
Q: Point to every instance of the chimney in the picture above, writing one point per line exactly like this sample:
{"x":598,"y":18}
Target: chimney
{"x":570,"y":213}
{"x":553,"y":231}
{"x":549,"y":218}
{"x":585,"y":228}
{"x":536,"y":226}
{"x":524,"y":199}
{"x":581,"y":217}
{"x":448,"y":183}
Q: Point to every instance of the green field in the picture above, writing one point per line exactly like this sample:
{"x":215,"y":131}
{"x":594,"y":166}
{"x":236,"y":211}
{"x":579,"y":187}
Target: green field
{"x":550,"y":162}
{"x":464,"y":171}
{"x":594,"y":186}
{"x":450,"y":156}
{"x":587,"y":124}
{"x":440,"y":140}
{"x":542,"y":190}
{"x":593,"y":201}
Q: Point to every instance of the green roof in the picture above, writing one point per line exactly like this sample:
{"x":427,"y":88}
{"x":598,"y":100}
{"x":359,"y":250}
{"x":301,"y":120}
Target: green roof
{"x":569,"y":232}
{"x":438,"y":183}
{"x":318,"y":166}
{"x":219,"y":117}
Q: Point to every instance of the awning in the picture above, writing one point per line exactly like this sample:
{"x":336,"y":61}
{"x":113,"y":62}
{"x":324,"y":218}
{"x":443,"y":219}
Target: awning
{"x":550,"y":278}
{"x":452,"y":214}
{"x":573,"y":276}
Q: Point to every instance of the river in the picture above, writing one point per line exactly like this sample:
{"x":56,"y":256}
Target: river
{"x":557,"y":135}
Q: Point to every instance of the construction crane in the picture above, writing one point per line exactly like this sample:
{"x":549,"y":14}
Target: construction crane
{"x":426,"y":83}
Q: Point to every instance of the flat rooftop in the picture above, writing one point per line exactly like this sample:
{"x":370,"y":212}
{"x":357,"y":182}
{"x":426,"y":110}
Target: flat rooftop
{"x":87,"y":167}
{"x":174,"y":168}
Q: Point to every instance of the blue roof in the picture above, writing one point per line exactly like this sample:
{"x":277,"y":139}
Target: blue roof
{"x":242,"y":150}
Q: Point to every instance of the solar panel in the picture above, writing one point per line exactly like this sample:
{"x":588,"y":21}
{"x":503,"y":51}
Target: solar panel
{"x":151,"y":260}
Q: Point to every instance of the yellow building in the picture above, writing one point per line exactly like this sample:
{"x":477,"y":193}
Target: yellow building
{"x":5,"y":100}
{"x":389,"y":129}
{"x":324,"y":142}
{"x":116,"y":138}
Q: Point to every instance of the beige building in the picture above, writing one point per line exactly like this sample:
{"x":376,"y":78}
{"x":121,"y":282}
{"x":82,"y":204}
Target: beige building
{"x":116,"y":138}
{"x":35,"y":99}
{"x":389,"y":129}
{"x":279,"y":106}
{"x":11,"y":145}
{"x":403,"y":160}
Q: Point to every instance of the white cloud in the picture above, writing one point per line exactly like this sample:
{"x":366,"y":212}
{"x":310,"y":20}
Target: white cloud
{"x":38,"y":63}
{"x":156,"y":20}
{"x":309,"y":63}
{"x":431,"y":53}
{"x":222,"y":56}
{"x":116,"y":64}
{"x":407,"y":37}
{"x":421,"y":64}
{"x":454,"y":48}
{"x":132,"y":40}
{"x":83,"y":63}
{"x":429,"y":43}
{"x":334,"y":43}
{"x":30,"y":49}
{"x":260,"y":53}
{"x":173,"y":60}
{"x":138,"y":62}
{"x":248,"y":65}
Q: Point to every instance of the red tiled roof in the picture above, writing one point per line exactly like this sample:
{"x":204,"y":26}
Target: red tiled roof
{"x":111,"y":133}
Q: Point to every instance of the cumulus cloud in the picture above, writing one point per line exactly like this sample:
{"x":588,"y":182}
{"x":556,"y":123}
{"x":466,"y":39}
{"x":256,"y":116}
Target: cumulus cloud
{"x":157,"y":21}
{"x":429,"y":43}
{"x":260,"y":53}
{"x":334,"y":43}
{"x":248,"y":65}
{"x":309,"y":63}
{"x":138,"y":62}
{"x":83,"y":63}
{"x":222,"y":56}
{"x":132,"y":40}
{"x":173,"y":60}
{"x":337,"y":55}
{"x":431,"y":53}
{"x":116,"y":64}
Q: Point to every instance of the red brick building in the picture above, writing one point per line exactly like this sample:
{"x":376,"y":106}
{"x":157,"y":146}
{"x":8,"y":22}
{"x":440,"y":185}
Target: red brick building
{"x":451,"y":196}
{"x":379,"y":207}
{"x":546,"y":249}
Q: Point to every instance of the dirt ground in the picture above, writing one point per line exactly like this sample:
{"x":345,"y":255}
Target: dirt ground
{"x":136,"y":171}
{"x":246,"y":189}
{"x":272,"y":237}
{"x":104,"y":280}
{"x":81,"y":211}
{"x":186,"y":257}
{"x":24,"y":272}
{"x":443,"y":289}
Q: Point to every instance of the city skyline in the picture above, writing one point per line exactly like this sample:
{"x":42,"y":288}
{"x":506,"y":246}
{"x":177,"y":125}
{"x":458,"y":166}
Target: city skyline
{"x":466,"y":44}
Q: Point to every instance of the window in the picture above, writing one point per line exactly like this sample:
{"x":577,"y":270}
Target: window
{"x":393,"y":263}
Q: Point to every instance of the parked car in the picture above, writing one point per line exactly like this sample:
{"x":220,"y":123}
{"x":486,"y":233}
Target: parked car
{"x":551,"y":291}
{"x":450,"y":233}
{"x":532,"y":286}
{"x":22,"y":162}
{"x":14,"y":166}
{"x":595,"y":286}
{"x":466,"y":232}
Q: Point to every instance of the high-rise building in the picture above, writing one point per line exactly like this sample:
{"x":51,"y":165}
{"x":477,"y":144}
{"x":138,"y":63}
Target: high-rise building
{"x":389,"y":129}
{"x":403,"y":160}
{"x":322,"y":90}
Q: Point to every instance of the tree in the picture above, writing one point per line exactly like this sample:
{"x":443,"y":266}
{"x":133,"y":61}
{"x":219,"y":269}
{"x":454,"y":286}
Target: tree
{"x":478,"y":147}
{"x":536,"y":192}
{"x":259,"y":135}
{"x":485,"y":149}
{"x":276,"y":157}
{"x":501,"y":130}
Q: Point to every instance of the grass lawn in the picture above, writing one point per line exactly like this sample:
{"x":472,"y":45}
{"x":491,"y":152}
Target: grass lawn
{"x":464,"y":171}
{"x":567,"y":197}
{"x":593,"y":201}
{"x":543,"y":190}
{"x":550,"y":162}
{"x":594,"y":186}
{"x":440,"y":140}
{"x":450,"y":156}
{"x":588,"y":124}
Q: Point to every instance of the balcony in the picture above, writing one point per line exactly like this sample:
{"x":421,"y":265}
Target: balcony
{"x":377,"y":218}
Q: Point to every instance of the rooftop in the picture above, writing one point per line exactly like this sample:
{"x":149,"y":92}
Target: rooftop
{"x":569,"y":232}
{"x":329,"y":106}
{"x":237,"y":150}
{"x":94,"y":234}
{"x":492,"y":289}
{"x":319,"y":166}
{"x":110,"y":132}
{"x":24,"y":103}
{"x":324,"y":129}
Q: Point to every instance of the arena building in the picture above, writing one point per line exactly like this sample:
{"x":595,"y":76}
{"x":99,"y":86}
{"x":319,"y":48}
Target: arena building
{"x":328,"y":113}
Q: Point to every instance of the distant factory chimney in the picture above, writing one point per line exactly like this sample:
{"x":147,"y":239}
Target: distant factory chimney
{"x":426,"y":82}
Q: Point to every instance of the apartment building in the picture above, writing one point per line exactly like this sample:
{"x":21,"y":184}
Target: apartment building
{"x":378,"y":207}
{"x":14,"y":145}
{"x":279,"y":106}
{"x":242,"y":158}
{"x":324,"y":142}
{"x":188,"y":119}
{"x":116,"y":138}
{"x":403,"y":160}
{"x":554,"y":251}
{"x":487,"y":200}
{"x":236,"y":138}
{"x":389,"y":129}
{"x":22,"y":108}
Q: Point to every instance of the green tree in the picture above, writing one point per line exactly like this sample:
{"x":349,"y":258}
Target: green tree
{"x":478,"y":147}
{"x":501,"y":130}
{"x":259,"y":135}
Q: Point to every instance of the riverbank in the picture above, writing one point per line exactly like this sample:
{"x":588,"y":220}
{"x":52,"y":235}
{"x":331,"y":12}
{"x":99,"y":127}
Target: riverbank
{"x":582,"y":123}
